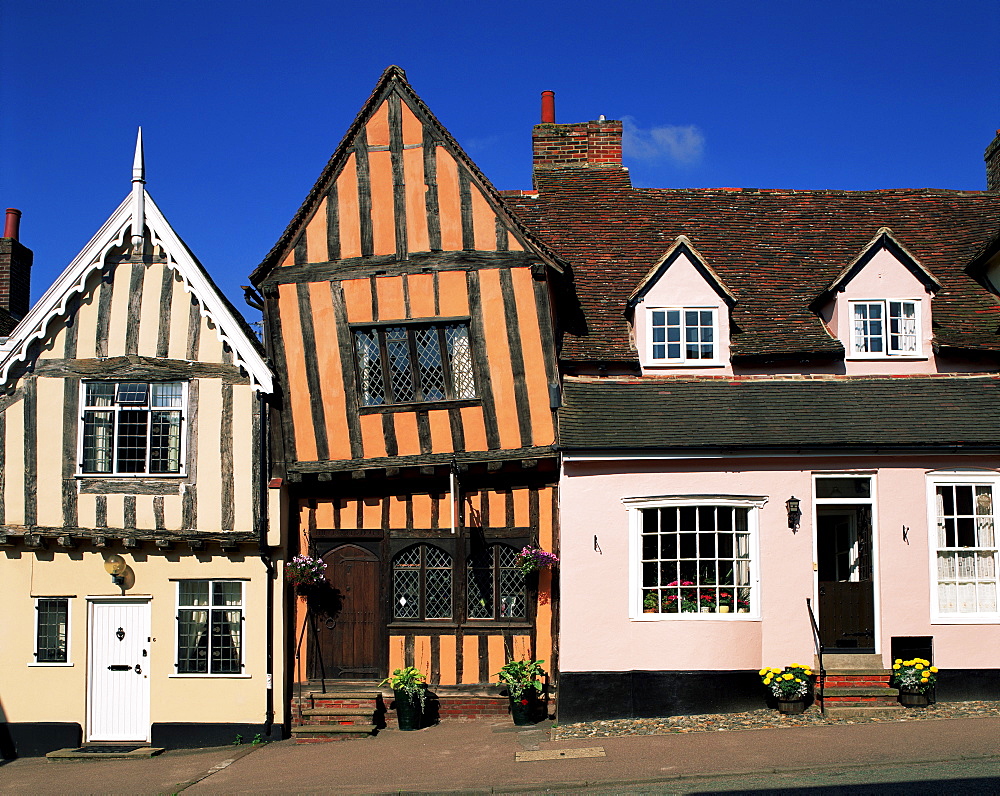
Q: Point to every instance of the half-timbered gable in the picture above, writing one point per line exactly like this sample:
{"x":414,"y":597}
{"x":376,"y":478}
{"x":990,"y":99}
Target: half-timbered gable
{"x":408,"y":314}
{"x":130,"y":440}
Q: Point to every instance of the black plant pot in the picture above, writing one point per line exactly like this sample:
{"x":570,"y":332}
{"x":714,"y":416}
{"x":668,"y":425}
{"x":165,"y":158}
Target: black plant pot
{"x":914,"y":699}
{"x":524,"y":710}
{"x":791,"y":706}
{"x":408,"y":713}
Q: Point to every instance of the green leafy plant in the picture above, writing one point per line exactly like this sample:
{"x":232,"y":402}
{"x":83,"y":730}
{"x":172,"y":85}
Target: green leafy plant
{"x":238,"y":741}
{"x":915,"y":675}
{"x":410,"y":682}
{"x":650,"y":603}
{"x":792,"y":682}
{"x":257,"y":740}
{"x":522,"y":676}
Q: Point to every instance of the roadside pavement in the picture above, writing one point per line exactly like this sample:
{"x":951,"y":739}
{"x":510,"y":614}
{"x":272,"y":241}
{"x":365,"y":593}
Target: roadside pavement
{"x":484,"y":756}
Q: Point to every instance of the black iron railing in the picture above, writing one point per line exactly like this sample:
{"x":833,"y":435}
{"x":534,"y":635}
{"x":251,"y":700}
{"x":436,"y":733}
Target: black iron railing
{"x":819,"y":656}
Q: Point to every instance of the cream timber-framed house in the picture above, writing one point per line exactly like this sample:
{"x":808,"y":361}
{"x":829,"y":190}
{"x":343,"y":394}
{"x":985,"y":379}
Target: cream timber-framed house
{"x":133,"y":441}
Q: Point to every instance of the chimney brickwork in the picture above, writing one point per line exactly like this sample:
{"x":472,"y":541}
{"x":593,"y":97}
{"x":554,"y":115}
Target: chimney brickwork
{"x":15,"y":273}
{"x":582,"y":145}
{"x":992,"y":158}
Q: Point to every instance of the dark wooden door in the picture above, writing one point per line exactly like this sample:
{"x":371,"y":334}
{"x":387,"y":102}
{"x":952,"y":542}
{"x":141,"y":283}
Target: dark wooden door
{"x":846,"y":591}
{"x":350,"y":633}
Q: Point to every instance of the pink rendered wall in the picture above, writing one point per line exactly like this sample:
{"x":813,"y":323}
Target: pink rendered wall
{"x":682,"y":286}
{"x":597,"y":633}
{"x":884,"y":277}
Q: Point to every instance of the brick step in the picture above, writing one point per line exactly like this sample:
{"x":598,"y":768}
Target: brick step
{"x":340,"y":711}
{"x":884,"y":691}
{"x":312,"y":733}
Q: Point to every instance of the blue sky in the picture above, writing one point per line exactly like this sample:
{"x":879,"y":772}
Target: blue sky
{"x":242,"y":103}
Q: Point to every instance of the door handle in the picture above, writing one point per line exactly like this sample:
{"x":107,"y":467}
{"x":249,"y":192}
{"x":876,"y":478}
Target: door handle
{"x":118,"y":667}
{"x":822,"y":591}
{"x":138,"y":669}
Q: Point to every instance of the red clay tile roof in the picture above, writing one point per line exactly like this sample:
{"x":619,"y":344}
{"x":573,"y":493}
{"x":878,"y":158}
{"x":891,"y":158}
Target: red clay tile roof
{"x":775,"y":249}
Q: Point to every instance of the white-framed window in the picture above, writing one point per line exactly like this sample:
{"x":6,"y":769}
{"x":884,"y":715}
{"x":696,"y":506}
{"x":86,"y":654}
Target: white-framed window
{"x":210,"y":627}
{"x":51,"y":632}
{"x":693,"y":557}
{"x":683,"y":335}
{"x":132,"y":428}
{"x":965,"y":570}
{"x":885,"y":328}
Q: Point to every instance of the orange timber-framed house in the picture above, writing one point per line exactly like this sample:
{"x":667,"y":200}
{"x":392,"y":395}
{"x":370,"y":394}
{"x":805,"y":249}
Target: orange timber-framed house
{"x":410,"y":317}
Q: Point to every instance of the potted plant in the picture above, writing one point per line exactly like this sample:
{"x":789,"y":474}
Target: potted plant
{"x":790,"y":685}
{"x":914,"y":679}
{"x":305,"y":572}
{"x":523,"y":681}
{"x":532,"y":558}
{"x":651,"y":603}
{"x":409,"y":690}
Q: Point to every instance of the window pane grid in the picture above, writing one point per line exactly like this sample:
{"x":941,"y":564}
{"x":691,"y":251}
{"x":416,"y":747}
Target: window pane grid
{"x":696,"y":559}
{"x":210,"y":636}
{"x":496,"y":587}
{"x":403,"y":364}
{"x":683,"y":335}
{"x":967,"y":554}
{"x":422,"y":583}
{"x":885,"y":327}
{"x":53,"y":618}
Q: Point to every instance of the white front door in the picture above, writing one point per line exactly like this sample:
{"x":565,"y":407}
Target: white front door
{"x":118,"y":708}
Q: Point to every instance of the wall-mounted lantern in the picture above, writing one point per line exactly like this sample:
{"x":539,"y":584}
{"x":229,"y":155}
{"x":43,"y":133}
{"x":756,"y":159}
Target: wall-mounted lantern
{"x":116,"y":566}
{"x":794,"y":513}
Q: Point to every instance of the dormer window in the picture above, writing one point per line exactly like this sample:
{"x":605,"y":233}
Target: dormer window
{"x":683,"y":335}
{"x":885,"y":328}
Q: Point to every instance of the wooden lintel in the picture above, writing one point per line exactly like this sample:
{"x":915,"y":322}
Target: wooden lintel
{"x":229,"y":545}
{"x":130,"y":542}
{"x":196,"y":545}
{"x":294,"y":477}
{"x":462,"y":467}
{"x":527,"y":464}
{"x":99,"y":541}
{"x":427,"y":470}
{"x":163,"y":543}
{"x":357,"y":474}
{"x":5,"y":540}
{"x":392,"y":472}
{"x":34,"y":540}
{"x":324,"y":476}
{"x":494,"y":466}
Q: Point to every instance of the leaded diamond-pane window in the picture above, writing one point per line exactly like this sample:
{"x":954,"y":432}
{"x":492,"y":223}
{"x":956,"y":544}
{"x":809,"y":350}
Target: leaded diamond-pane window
{"x":414,"y":363}
{"x":495,"y":585}
{"x":422,"y":583}
{"x":132,"y":428}
{"x":209,"y":627}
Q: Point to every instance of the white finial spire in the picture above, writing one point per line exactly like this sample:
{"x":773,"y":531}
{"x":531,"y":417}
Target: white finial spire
{"x":138,"y":195}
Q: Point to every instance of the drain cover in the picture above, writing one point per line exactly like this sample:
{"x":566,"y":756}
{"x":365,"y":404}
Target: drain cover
{"x":105,"y":750}
{"x":559,"y":754}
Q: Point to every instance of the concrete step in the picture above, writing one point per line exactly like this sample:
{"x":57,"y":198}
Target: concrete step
{"x":104,"y":752}
{"x":860,"y":709}
{"x":860,"y":692}
{"x":331,"y":732}
{"x":840,"y":661}
{"x":340,"y":711}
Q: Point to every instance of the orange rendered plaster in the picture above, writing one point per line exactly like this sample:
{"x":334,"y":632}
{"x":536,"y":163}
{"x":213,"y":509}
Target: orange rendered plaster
{"x":448,"y":663}
{"x":497,"y":656}
{"x":449,"y":202}
{"x":391,"y":306}
{"x":413,"y":130}
{"x":417,"y":239}
{"x":407,"y":439}
{"x":421,"y":510}
{"x":377,"y":128}
{"x":397,"y":652}
{"x":453,"y":292}
{"x":470,"y":659}
{"x":513,"y":243}
{"x":324,"y":514}
{"x":348,"y":211}
{"x":522,"y":648}
{"x":522,"y":511}
{"x":440,"y":431}
{"x":473,"y":428}
{"x":498,"y":507}
{"x":330,"y":372}
{"x":348,"y":511}
{"x":295,"y":364}
{"x":546,"y":517}
{"x":542,"y":429}
{"x":397,"y":511}
{"x":372,"y":439}
{"x":483,"y":221}
{"x":421,"y":289}
{"x":316,"y":238}
{"x":383,"y":206}
{"x":289,"y":258}
{"x":371,"y":512}
{"x":357,"y":300}
{"x":422,"y":654}
{"x":498,"y":355}
{"x":543,"y":618}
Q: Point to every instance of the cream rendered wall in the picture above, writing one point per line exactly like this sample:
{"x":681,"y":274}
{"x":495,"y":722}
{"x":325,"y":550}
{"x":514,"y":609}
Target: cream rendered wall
{"x":59,"y":693}
{"x":681,"y":285}
{"x":884,"y":277}
{"x":597,"y":634}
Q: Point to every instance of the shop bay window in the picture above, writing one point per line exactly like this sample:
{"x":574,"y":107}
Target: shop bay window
{"x":696,"y":559}
{"x":966,"y":557}
{"x":210,"y":627}
{"x":132,"y":428}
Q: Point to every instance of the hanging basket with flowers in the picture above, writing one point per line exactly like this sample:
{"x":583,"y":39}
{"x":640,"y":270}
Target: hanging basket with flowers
{"x":305,"y":572}
{"x":532,"y":558}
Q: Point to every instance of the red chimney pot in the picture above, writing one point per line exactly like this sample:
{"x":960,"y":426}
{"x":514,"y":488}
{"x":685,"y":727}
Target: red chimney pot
{"x":12,"y":226}
{"x":548,"y":107}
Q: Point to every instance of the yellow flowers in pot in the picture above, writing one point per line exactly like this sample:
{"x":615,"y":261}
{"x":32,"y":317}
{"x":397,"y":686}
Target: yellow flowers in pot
{"x":915,"y":675}
{"x":792,"y":682}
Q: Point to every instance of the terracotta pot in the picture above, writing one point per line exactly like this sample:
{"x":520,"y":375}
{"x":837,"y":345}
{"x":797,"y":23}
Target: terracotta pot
{"x":791,"y":706}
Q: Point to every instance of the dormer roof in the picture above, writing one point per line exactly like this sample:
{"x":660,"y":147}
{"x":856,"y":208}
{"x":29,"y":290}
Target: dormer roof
{"x":681,"y":246}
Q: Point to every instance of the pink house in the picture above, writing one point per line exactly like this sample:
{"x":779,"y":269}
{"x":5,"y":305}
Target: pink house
{"x":774,"y":403}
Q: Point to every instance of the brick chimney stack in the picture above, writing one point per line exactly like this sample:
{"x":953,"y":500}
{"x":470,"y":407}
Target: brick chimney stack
{"x":582,"y":145}
{"x":15,"y":274}
{"x":992,"y":159}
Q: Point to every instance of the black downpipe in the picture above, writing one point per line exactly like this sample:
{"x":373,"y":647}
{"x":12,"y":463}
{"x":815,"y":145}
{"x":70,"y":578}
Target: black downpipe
{"x":264,"y":470}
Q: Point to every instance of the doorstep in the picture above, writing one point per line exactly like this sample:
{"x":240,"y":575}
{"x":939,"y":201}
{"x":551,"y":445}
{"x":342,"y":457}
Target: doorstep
{"x":105,"y":752}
